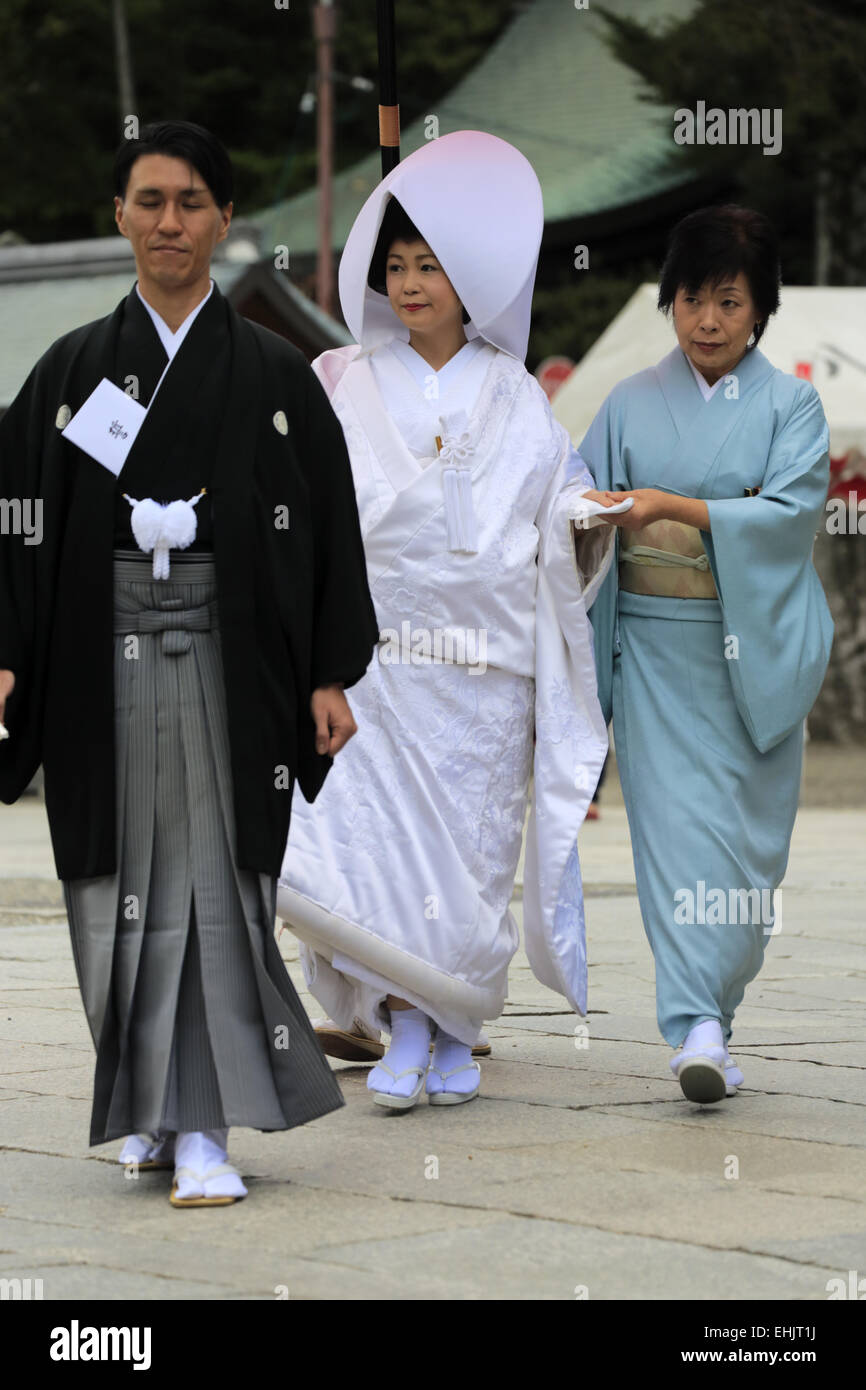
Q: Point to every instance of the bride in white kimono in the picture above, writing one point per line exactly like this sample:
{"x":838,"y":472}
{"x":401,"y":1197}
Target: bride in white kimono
{"x":398,"y":879}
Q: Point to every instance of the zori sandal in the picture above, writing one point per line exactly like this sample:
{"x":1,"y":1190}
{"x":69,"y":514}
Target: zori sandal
{"x":444,"y":1097}
{"x":702,"y":1076}
{"x":359,"y":1045}
{"x":733,"y":1076}
{"x":201,"y":1180}
{"x":393,"y":1102}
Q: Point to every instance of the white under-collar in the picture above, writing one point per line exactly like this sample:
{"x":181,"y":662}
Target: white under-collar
{"x":421,"y":369}
{"x":172,"y":341}
{"x":707,"y":391}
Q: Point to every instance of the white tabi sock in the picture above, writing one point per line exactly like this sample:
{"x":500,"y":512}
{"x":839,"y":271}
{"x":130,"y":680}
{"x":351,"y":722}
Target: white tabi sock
{"x":410,"y":1047}
{"x":705,"y":1035}
{"x":733,"y":1075}
{"x":200,"y":1151}
{"x":706,"y":1038}
{"x":148,"y":1148}
{"x":448,"y":1055}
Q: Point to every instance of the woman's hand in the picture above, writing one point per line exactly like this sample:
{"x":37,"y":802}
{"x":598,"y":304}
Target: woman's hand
{"x":333,"y":718}
{"x":649,"y":504}
{"x":7,"y":685}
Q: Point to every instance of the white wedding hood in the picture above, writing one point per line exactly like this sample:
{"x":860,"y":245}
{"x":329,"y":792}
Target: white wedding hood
{"x":477,"y":202}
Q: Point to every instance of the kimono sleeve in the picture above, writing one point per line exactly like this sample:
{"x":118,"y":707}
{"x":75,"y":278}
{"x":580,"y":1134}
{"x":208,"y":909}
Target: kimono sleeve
{"x":345,"y":630}
{"x":571,"y":741}
{"x":330,"y":365}
{"x":600,"y":452}
{"x":760,"y":552}
{"x":20,"y":436}
{"x":11,"y":637}
{"x":578,"y":559}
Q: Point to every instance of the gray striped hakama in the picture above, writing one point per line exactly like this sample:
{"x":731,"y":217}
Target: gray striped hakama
{"x":195,"y":1020}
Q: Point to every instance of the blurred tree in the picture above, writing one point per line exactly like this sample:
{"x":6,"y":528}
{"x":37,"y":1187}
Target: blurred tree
{"x":807,"y":59}
{"x":804,"y":57}
{"x":568,"y":316}
{"x":237,"y":68}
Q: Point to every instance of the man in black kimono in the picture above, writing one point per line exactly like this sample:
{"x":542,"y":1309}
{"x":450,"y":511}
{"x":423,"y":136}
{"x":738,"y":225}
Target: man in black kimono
{"x":176,"y":669}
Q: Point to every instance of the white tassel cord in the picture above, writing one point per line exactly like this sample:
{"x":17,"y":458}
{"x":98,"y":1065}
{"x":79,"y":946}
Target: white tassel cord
{"x":160,"y":528}
{"x":455,"y":454}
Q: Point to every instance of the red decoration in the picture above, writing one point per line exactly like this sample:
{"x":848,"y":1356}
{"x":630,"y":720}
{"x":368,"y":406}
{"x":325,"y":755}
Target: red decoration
{"x":552,"y":372}
{"x":847,"y":475}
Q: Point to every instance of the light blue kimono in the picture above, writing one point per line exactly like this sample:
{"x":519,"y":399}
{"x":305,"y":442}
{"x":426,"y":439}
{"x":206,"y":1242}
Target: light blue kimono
{"x":709,"y":696}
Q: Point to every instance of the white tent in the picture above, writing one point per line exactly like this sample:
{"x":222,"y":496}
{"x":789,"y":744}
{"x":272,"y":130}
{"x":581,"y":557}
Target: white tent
{"x":822,"y":328}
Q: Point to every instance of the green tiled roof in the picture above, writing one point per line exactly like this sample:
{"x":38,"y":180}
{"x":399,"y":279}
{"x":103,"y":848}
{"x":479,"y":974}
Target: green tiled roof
{"x":550,"y":86}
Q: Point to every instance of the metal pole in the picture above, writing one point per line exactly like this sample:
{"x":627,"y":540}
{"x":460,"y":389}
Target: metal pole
{"x":125,"y":92}
{"x":324,"y":33}
{"x":821,"y":270}
{"x":389,"y":109}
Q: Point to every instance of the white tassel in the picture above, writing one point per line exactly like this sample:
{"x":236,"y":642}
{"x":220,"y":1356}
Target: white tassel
{"x":455,"y":454}
{"x":162,"y":528}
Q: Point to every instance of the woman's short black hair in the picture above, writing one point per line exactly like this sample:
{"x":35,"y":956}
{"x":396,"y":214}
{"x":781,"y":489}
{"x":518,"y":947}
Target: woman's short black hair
{"x":181,"y":140}
{"x":717,"y":243}
{"x":397,"y":225}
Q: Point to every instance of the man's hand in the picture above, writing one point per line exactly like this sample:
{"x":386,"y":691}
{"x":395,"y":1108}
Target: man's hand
{"x":333,"y":718}
{"x":7,"y":685}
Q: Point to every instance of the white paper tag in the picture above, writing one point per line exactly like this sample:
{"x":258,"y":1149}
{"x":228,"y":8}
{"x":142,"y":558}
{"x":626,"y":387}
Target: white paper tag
{"x":106,"y":425}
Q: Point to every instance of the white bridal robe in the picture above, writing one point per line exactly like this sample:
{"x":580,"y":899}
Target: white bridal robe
{"x":398,"y":879}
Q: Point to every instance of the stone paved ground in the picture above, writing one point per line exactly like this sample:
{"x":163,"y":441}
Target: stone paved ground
{"x":578,"y":1165}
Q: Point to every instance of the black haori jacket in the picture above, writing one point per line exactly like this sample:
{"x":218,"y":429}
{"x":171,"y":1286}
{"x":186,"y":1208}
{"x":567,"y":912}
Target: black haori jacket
{"x":294,"y":608}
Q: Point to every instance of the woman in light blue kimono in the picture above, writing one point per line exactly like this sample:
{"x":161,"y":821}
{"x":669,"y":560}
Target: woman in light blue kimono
{"x":712,"y":631}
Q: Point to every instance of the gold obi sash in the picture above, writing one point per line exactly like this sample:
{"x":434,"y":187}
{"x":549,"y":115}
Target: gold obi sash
{"x":667,"y":559}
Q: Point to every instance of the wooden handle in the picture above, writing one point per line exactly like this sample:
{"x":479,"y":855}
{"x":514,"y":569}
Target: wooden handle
{"x":389,"y":126}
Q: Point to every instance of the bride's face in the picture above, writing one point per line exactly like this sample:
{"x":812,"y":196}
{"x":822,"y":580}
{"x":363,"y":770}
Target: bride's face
{"x":420,"y":292}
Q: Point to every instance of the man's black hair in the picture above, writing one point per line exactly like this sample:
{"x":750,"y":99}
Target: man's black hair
{"x":180,"y":140}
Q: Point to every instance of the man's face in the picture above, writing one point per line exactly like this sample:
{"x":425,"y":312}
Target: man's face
{"x":171,"y":219}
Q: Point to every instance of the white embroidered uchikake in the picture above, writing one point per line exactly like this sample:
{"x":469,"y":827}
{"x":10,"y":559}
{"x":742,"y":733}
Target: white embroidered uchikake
{"x":455,"y":453}
{"x":159,"y":528}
